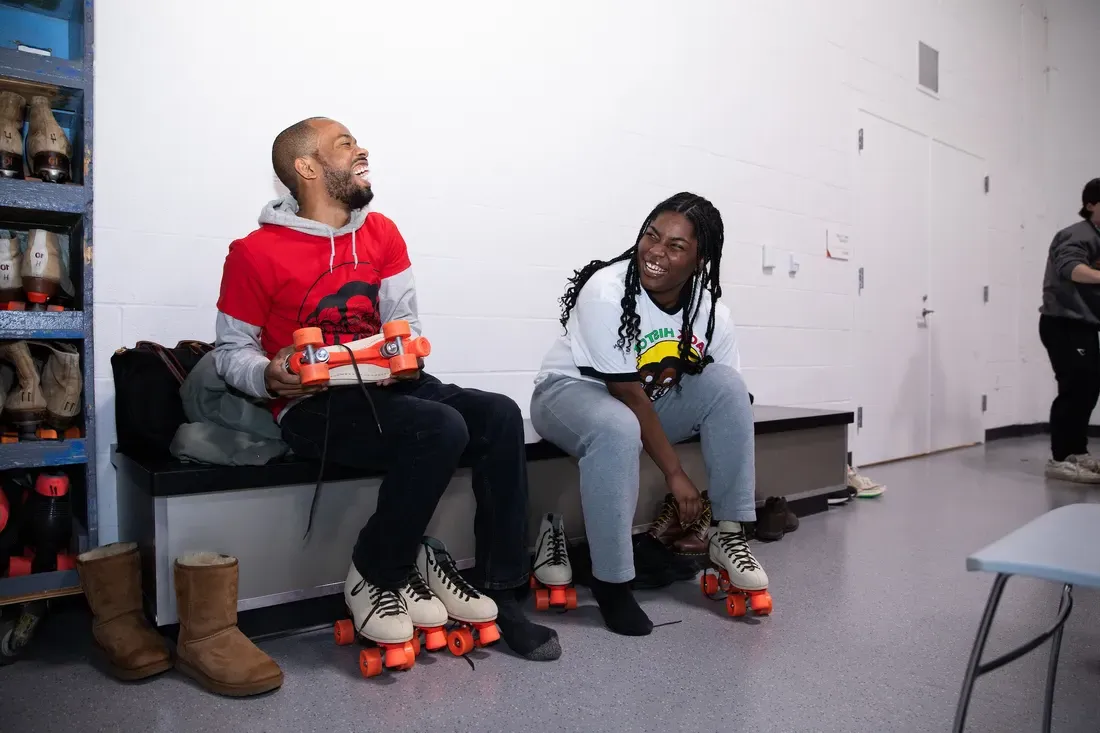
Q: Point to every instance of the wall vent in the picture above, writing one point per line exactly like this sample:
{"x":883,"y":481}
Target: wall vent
{"x":929,"y":59}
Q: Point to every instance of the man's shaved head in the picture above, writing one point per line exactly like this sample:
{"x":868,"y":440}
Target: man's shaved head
{"x":297,"y":141}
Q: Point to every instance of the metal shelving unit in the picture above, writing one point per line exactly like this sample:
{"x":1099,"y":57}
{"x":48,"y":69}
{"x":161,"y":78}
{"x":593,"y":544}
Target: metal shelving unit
{"x":65,"y":27}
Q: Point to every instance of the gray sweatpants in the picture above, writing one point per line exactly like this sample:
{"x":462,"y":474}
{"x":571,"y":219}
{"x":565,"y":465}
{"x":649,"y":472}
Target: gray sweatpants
{"x":585,"y":421}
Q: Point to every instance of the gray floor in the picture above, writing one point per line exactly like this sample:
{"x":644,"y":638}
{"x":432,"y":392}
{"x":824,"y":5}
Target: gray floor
{"x":875,"y":615}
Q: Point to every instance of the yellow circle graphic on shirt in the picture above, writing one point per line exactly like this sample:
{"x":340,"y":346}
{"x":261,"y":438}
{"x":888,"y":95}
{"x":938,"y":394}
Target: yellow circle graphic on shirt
{"x":660,"y":366}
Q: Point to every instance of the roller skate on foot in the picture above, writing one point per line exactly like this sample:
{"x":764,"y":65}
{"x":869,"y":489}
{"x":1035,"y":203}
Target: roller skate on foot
{"x":392,"y":353}
{"x":475,"y":613}
{"x":552,"y":575}
{"x":380,"y":617}
{"x":427,"y":612}
{"x":736,"y":574}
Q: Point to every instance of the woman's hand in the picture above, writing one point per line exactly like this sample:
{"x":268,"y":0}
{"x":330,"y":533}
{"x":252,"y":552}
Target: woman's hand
{"x":687,"y":497}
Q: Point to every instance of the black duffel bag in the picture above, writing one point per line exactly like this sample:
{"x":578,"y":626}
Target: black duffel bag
{"x":148,"y":408}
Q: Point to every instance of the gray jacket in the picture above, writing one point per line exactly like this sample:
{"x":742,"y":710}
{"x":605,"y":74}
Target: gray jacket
{"x":1075,"y":245}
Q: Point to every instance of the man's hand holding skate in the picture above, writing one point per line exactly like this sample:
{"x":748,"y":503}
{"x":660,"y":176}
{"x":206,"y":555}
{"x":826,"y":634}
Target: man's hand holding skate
{"x":283,"y":383}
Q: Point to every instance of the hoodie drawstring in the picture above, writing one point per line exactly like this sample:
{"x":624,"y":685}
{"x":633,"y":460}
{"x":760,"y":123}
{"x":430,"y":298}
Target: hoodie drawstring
{"x":332,"y":249}
{"x":354,"y":253}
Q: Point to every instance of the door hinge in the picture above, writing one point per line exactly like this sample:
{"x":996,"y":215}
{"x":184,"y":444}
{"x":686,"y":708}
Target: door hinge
{"x":985,"y":293}
{"x":861,"y":139}
{"x":985,"y":403}
{"x":861,"y":280}
{"x":987,"y":184}
{"x":859,"y":418}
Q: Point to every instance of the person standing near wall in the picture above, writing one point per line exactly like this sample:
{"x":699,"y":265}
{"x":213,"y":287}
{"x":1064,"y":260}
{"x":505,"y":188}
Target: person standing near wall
{"x":1069,"y":323}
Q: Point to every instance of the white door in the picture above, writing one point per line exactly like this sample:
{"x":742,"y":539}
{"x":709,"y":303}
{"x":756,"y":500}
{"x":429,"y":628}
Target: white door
{"x":959,"y":256}
{"x":892,"y":337}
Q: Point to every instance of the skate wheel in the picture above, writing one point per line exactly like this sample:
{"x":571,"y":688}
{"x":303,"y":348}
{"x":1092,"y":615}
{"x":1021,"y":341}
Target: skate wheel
{"x":370,"y":662}
{"x":708,"y":584}
{"x":571,"y":599}
{"x":487,"y":634}
{"x":46,"y":434}
{"x":65,"y":561}
{"x":761,"y":604}
{"x":395,"y":656}
{"x":460,"y":641}
{"x":411,"y":649}
{"x":343,"y":632}
{"x":311,"y":336}
{"x":420,"y":347}
{"x":18,"y":566}
{"x":735,"y":605}
{"x":404,"y":364}
{"x":557,"y":596}
{"x":72,"y":433}
{"x":313,"y":373}
{"x":542,"y":599}
{"x":396,"y":329}
{"x":533,"y":582}
{"x":416,"y":645}
{"x":435,"y":639}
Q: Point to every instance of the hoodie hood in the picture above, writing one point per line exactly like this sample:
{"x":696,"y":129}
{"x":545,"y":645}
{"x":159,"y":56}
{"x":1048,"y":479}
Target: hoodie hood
{"x":284,"y":212}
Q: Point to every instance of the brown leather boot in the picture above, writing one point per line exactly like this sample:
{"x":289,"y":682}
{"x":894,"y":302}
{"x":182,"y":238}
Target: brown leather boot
{"x":693,"y":540}
{"x":12,"y":108}
{"x":48,"y":150}
{"x":666,"y":527}
{"x":25,"y":406}
{"x":62,"y":383}
{"x":111,"y":579}
{"x":211,"y":649}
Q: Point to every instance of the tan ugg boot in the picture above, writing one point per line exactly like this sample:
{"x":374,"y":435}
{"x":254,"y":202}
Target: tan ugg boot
{"x":11,"y":270}
{"x":48,"y":150}
{"x":12,"y":108}
{"x":42,"y":266}
{"x":111,"y":579}
{"x":62,"y":383}
{"x":25,"y":406}
{"x":211,"y":649}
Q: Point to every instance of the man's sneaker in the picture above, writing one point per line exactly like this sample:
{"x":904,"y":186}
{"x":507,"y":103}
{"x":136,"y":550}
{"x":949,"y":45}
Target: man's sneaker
{"x":551,"y":557}
{"x":1087,"y":460}
{"x":462,"y":600}
{"x":729,"y":551}
{"x":864,"y":487}
{"x":379,"y":615}
{"x":1072,"y":469}
{"x":425,"y":610}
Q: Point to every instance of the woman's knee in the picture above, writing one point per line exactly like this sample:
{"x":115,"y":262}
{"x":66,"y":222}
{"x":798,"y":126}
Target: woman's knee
{"x":615,"y":430}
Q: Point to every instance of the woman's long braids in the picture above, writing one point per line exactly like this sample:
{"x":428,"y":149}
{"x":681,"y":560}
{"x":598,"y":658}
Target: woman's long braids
{"x":710,"y":235}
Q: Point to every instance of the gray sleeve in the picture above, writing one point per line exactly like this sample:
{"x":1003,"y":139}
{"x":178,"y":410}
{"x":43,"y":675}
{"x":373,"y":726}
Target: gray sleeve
{"x":239,"y":358}
{"x":1068,"y":253}
{"x":397,"y":300}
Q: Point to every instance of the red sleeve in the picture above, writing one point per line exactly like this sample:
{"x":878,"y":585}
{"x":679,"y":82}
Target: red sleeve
{"x":396,"y":257}
{"x":245,"y":294}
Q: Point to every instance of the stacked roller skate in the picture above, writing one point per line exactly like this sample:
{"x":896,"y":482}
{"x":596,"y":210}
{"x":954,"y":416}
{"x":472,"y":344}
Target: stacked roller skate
{"x":47,"y":153}
{"x":41,"y":386}
{"x":35,"y":524}
{"x":435,"y":608}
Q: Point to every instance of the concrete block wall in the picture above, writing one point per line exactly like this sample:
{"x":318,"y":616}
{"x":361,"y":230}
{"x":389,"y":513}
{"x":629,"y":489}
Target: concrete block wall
{"x":513,"y":143}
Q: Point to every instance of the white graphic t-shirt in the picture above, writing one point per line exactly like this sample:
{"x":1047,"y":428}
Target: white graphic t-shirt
{"x":588,"y":349}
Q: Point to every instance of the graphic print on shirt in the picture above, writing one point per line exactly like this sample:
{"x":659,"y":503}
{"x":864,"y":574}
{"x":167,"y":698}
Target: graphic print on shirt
{"x":659,"y":364}
{"x":344,"y":309}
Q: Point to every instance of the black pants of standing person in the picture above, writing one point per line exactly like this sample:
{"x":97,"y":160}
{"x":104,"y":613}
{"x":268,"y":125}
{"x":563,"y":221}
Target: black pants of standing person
{"x":1074,"y":350}
{"x":428,"y":429}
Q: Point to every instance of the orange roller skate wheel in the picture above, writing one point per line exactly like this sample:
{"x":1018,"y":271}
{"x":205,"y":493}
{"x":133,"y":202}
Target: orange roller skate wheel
{"x":761,"y":604}
{"x":557,"y":596}
{"x":313,"y":373}
{"x":370,"y":662}
{"x":532,"y":582}
{"x":18,"y":566}
{"x":542,"y":599}
{"x":396,"y":329}
{"x":46,"y":434}
{"x":72,"y":433}
{"x":735,"y":605}
{"x":311,"y":336}
{"x":435,"y":639}
{"x":411,"y":650}
{"x":343,"y":632}
{"x":571,"y":598}
{"x":709,"y":584}
{"x":420,"y":347}
{"x":404,"y":363}
{"x":487,"y":634}
{"x":460,"y":641}
{"x":395,"y":656}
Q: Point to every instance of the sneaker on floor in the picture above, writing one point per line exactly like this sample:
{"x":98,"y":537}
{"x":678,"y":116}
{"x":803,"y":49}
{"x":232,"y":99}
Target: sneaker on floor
{"x":1090,"y":462}
{"x":864,"y":487}
{"x":1071,"y":470}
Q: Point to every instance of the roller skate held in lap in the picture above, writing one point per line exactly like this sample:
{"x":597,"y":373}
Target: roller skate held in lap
{"x":552,"y":575}
{"x":391,"y":353}
{"x":735,"y":573}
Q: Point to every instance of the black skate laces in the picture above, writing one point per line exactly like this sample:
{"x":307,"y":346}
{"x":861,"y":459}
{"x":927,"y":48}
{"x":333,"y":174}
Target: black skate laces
{"x":419,"y":588}
{"x":736,"y":546}
{"x":452,"y":579}
{"x":558,"y":554}
{"x":383,"y":602}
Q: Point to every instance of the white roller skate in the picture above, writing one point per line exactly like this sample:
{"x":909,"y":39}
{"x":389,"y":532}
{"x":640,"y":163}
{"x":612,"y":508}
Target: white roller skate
{"x":739,"y":575}
{"x":381,"y":617}
{"x":552,"y":575}
{"x":475,"y":613}
{"x":428,"y":614}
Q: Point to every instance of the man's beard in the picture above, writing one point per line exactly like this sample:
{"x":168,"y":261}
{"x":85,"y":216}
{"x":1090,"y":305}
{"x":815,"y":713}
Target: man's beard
{"x":342,"y":186}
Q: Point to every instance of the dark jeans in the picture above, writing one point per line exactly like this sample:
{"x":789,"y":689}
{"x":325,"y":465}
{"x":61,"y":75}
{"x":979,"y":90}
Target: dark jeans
{"x":428,"y":429}
{"x":1074,"y":350}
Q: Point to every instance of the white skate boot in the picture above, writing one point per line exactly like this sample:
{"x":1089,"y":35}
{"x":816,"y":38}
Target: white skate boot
{"x":474,"y":611}
{"x":552,"y":575}
{"x":428,"y":614}
{"x":380,"y":616}
{"x":739,"y":576}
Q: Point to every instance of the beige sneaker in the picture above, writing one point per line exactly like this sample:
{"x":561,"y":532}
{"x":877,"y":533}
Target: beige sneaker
{"x":1072,"y":469}
{"x":865,"y":487}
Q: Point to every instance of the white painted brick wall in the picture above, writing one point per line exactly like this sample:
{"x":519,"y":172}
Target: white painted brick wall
{"x":512,"y":143}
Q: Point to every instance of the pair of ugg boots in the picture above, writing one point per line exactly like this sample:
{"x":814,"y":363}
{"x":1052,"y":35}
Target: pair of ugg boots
{"x":210,"y":649}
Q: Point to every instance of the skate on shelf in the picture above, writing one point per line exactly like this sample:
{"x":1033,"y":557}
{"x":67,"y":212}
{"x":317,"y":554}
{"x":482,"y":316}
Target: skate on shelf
{"x":43,"y":517}
{"x":735,"y":574}
{"x":31,"y":280}
{"x":392,"y":353}
{"x":380,"y":619}
{"x":551,"y":574}
{"x":473,"y":615}
{"x":41,"y":396}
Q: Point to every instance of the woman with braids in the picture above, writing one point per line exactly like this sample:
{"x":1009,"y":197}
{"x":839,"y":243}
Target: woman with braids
{"x":648,"y":359}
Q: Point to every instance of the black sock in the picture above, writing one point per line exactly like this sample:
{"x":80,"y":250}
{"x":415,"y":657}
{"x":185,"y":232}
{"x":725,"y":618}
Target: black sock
{"x":621,"y":612}
{"x":525,"y":638}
